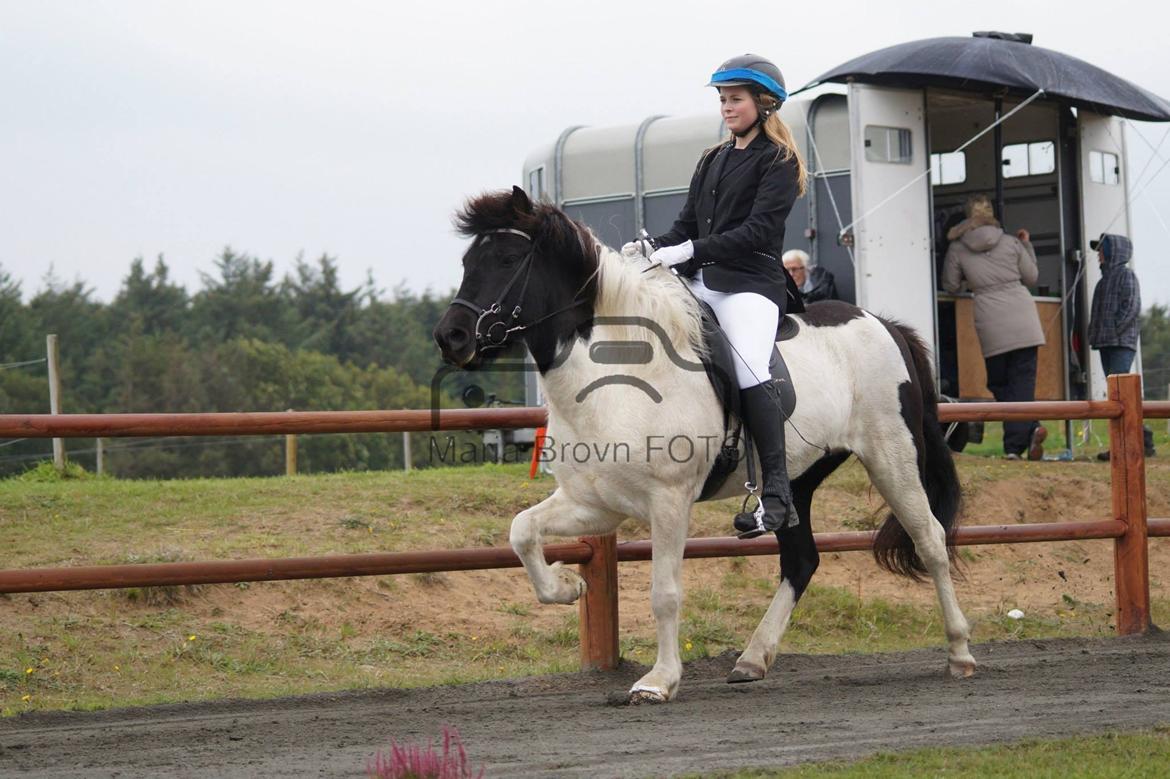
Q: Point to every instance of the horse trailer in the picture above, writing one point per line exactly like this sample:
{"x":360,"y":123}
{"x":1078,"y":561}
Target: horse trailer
{"x":895,"y":142}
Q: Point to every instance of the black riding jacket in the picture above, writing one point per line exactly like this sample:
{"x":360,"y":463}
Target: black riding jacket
{"x":734,"y":214}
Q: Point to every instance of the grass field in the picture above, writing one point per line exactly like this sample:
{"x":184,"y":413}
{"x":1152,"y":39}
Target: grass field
{"x":99,"y":649}
{"x":1134,"y":756}
{"x":1085,"y":445}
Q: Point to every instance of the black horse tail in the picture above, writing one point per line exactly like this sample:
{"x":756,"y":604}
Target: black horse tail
{"x":893,"y":548}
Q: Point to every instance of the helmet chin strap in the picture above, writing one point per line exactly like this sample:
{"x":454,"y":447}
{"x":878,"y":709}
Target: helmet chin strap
{"x":760,"y":119}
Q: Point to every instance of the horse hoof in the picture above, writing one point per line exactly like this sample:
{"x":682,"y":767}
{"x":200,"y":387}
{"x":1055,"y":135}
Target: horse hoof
{"x":569,"y":586}
{"x":962,"y":669}
{"x":745,"y":673}
{"x":638,"y":696}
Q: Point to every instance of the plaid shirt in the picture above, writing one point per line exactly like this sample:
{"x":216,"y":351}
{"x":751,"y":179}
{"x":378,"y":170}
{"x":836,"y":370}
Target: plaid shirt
{"x":1117,"y":300}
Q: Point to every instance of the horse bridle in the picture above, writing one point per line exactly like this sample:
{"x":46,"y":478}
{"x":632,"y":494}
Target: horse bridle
{"x":498,"y":332}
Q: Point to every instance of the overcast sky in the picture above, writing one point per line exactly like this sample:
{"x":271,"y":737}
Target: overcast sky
{"x":355,"y":128}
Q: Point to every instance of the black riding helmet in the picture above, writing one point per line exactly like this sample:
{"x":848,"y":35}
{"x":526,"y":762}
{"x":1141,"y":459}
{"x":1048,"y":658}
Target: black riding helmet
{"x":753,"y":71}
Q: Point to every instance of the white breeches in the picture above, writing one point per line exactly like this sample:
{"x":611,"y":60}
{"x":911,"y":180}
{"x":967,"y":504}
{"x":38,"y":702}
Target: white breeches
{"x":749,"y":320}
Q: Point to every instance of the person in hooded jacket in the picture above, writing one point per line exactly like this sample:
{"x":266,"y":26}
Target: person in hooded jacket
{"x":998,"y":268}
{"x":726,"y":243}
{"x":1114,"y":313}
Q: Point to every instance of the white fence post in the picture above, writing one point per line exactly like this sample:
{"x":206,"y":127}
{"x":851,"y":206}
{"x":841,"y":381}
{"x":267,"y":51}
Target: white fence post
{"x":55,"y":397}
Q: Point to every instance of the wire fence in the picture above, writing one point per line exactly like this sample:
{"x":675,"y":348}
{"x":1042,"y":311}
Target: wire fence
{"x":23,"y":364}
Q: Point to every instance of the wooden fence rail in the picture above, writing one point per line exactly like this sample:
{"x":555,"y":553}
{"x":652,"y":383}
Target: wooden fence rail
{"x":98,"y":577}
{"x":411,"y":421}
{"x":1128,"y":525}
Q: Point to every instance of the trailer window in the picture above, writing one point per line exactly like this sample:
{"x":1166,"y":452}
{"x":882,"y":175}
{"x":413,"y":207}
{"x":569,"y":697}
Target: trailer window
{"x":536,"y":183}
{"x":1103,"y":168}
{"x":948,"y":168}
{"x":1029,"y":159}
{"x":887,"y":144}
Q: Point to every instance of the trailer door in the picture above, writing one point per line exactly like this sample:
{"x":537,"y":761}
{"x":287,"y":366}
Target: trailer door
{"x":1104,"y":206}
{"x":888,"y":151}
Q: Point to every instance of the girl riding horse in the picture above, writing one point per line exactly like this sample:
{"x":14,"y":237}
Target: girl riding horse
{"x":727,"y":242}
{"x":865,"y":387}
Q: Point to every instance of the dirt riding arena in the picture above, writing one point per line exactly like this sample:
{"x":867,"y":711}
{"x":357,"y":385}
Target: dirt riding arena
{"x":810,"y":708}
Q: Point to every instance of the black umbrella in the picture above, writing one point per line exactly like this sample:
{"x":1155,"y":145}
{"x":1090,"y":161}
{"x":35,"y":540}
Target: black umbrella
{"x":997,"y":62}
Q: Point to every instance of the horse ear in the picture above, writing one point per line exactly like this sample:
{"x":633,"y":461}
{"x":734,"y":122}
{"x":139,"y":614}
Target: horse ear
{"x":520,"y":201}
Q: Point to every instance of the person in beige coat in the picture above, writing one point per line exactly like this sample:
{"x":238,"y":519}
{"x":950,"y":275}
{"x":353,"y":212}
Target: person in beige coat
{"x":998,"y":268}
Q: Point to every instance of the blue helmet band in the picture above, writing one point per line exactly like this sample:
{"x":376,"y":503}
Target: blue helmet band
{"x":748,"y":74}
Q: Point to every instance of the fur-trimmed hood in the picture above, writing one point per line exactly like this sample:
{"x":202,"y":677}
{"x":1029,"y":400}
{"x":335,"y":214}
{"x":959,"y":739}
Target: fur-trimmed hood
{"x":979,"y":233}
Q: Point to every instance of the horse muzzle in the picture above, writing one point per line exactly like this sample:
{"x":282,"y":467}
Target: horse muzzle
{"x":456,"y":338}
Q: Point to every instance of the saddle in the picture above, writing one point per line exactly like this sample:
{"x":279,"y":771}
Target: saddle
{"x":719,"y":363}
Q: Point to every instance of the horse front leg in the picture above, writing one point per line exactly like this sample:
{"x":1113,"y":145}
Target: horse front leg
{"x":557,"y":515}
{"x":668,"y":539}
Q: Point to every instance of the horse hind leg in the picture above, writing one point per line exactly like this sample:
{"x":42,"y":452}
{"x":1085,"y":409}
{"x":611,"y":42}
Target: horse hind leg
{"x":557,"y":515}
{"x":898,"y":481}
{"x":798,"y":562}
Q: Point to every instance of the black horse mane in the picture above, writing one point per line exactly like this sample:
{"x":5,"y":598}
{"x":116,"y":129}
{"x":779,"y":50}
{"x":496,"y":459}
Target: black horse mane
{"x":564,"y":255}
{"x":553,"y":231}
{"x":494,"y":211}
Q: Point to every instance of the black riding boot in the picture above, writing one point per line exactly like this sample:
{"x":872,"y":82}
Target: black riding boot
{"x":760,"y":406}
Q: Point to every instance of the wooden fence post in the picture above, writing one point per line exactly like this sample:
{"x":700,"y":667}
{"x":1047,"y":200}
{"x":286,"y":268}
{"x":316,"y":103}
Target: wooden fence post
{"x":599,"y":605}
{"x":1127,"y":458}
{"x":290,"y":455}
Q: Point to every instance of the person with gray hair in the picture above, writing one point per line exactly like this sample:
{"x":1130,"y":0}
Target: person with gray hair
{"x":815,"y":282}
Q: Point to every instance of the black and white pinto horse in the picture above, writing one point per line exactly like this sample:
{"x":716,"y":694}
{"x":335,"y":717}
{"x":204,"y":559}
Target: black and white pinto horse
{"x":864,"y":386}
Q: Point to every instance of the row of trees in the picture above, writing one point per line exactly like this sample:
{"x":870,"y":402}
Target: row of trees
{"x":1156,"y":352}
{"x":246,"y":341}
{"x":249,"y":341}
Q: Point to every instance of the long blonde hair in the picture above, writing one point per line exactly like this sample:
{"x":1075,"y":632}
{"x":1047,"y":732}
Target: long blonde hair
{"x":778,"y":133}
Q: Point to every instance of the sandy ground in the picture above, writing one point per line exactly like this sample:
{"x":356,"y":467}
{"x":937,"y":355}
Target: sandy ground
{"x":810,"y":708}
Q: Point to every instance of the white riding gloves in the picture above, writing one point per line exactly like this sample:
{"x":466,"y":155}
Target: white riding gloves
{"x":674,"y":255}
{"x":637,"y":250}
